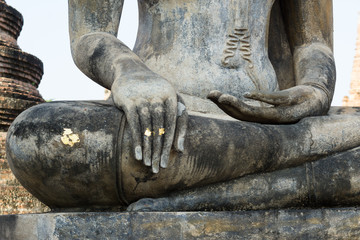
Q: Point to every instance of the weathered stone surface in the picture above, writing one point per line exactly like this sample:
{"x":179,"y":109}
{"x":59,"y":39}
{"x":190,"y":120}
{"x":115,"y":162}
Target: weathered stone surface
{"x":272,"y":224}
{"x":144,"y":144}
{"x":14,"y":198}
{"x":98,"y":168}
{"x":83,"y":155}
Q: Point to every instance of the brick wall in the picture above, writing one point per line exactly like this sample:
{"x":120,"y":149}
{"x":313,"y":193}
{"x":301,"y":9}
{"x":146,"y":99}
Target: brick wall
{"x":14,"y":199}
{"x":20,"y":74}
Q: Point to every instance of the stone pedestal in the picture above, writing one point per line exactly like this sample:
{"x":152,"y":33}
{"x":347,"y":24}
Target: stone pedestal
{"x":272,"y":224}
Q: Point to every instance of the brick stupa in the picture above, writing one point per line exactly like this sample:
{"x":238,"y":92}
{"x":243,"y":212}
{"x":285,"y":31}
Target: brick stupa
{"x":20,"y":75}
{"x":354,"y":95}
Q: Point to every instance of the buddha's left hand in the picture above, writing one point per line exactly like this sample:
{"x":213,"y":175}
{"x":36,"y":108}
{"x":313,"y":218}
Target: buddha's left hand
{"x":287,"y":106}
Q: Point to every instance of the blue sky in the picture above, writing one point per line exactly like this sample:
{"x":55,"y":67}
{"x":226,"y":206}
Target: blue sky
{"x":45,"y":35}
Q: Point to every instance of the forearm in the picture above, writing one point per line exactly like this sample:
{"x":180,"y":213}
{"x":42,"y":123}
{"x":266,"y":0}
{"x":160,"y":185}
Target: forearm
{"x":104,"y":58}
{"x":315,"y":66}
{"x":309,"y":26}
{"x":94,"y":46}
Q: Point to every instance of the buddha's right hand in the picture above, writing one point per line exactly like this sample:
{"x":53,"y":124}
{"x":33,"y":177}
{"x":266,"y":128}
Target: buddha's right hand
{"x":156,"y":116}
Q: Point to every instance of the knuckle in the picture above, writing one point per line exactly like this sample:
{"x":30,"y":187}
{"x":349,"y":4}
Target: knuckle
{"x":141,"y":102}
{"x":181,"y":109}
{"x":145,"y":111}
{"x":171,"y":102}
{"x":156,"y":101}
{"x":129,"y":107}
{"x":158,"y":110}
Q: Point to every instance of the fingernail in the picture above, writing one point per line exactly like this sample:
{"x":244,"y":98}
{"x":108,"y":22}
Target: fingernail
{"x":147,"y":162}
{"x":180,"y":109}
{"x":155,"y":169}
{"x":181,"y":144}
{"x":138,"y":153}
{"x":164,"y":161}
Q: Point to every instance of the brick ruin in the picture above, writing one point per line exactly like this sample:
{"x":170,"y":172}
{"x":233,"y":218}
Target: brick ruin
{"x":354,"y":95}
{"x":20,"y":75}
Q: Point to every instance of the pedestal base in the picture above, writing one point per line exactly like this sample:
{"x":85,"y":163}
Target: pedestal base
{"x":273,"y":224}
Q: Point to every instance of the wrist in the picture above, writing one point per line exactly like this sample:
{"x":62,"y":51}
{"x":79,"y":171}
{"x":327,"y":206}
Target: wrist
{"x":324,"y":90}
{"x":315,"y":66}
{"x":104,"y":58}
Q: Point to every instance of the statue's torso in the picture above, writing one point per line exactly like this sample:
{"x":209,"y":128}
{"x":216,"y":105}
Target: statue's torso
{"x":203,"y":45}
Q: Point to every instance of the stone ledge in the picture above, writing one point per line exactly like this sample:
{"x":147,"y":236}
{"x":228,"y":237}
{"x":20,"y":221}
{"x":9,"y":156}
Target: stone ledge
{"x":341,"y":223}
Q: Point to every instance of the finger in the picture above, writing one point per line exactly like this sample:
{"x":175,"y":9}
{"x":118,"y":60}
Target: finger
{"x":283,"y":114}
{"x":214,"y":95}
{"x":145,"y":119}
{"x":247,"y":112}
{"x":239,"y":110}
{"x":170,"y":123}
{"x":157,"y":111}
{"x":181,"y":125}
{"x":134,"y":123}
{"x":292,"y":96}
{"x":236,"y":103}
{"x":292,"y":114}
{"x":274,"y":98}
{"x":236,"y":108}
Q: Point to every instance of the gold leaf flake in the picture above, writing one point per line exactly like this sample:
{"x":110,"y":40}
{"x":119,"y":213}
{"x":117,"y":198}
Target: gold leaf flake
{"x":147,"y":132}
{"x":161,"y":131}
{"x":69,"y":138}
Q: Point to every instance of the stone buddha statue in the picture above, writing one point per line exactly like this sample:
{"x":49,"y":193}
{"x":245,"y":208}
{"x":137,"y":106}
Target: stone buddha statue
{"x":220,"y":105}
